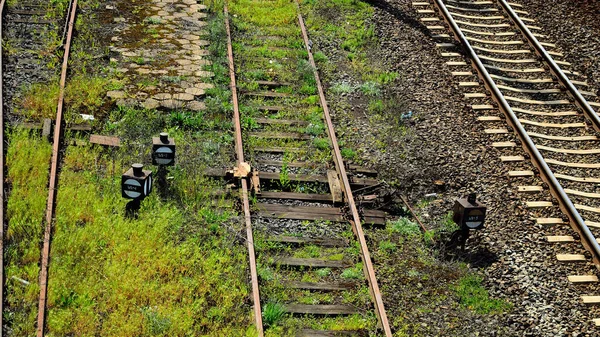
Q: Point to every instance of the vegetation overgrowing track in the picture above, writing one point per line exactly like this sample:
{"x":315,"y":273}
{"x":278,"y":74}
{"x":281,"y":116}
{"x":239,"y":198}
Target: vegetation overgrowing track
{"x":25,"y":19}
{"x":283,"y":122}
{"x":550,"y":114}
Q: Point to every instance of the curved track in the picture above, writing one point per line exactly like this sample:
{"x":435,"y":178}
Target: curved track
{"x":549,"y":107}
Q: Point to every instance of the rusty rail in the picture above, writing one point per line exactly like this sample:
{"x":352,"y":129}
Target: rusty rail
{"x":565,"y":203}
{"x":239,"y":147}
{"x":356,"y":223}
{"x":3,"y":163}
{"x":53,"y":184}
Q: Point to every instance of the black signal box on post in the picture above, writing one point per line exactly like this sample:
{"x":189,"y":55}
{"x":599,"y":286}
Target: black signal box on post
{"x":136,"y":183}
{"x":469,"y":213}
{"x":163,"y":150}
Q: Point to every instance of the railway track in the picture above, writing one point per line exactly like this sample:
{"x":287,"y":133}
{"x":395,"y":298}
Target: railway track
{"x":308,"y":253}
{"x":549,"y":107}
{"x":26,"y":18}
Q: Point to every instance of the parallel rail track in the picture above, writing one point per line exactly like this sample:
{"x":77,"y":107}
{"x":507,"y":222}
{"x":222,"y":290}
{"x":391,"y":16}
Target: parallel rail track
{"x":288,"y":211}
{"x":549,"y":112}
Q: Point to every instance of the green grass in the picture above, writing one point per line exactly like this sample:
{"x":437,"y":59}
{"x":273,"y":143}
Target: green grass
{"x":404,"y":226}
{"x":182,"y":265}
{"x":83,"y":94}
{"x":28,"y":160}
{"x":272,"y":313}
{"x":474,"y":296}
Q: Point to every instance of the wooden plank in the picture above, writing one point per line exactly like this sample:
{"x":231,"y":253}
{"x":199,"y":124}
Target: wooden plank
{"x":296,"y":196}
{"x":461,"y":73}
{"x":420,"y":3}
{"x":326,"y":242}
{"x":373,"y":220}
{"x":331,"y":333}
{"x":430,"y":19}
{"x":590,"y":299}
{"x":362,"y":181}
{"x":560,"y":238}
{"x":489,"y":119}
{"x":582,"y":278}
{"x":320,"y":309}
{"x":477,"y":17}
{"x":495,"y":131}
{"x":481,"y":10}
{"x":569,"y":151}
{"x":504,"y":144}
{"x":582,"y":194}
{"x":295,"y":177}
{"x":544,"y":113}
{"x":275,"y":149}
{"x":511,"y":158}
{"x":255,"y":183}
{"x":312,"y":263}
{"x":301,"y":216}
{"x":271,"y":108}
{"x":538,"y":204}
{"x":267,"y":94}
{"x":425,"y":11}
{"x":488,"y":33}
{"x":516,"y":70}
{"x":549,"y":221}
{"x":577,"y":179}
{"x":475,"y":95}
{"x":522,"y":80}
{"x":592,"y":224}
{"x":530,"y":189}
{"x":500,"y":60}
{"x":445,"y":45}
{"x":280,"y":163}
{"x":456,"y":63}
{"x":334,"y":186}
{"x":563,"y":138}
{"x":281,"y":121}
{"x":280,"y":135}
{"x":502,"y":51}
{"x":531,"y":101}
{"x":571,"y":257}
{"x":272,"y":84}
{"x":299,"y":209}
{"x":468,"y":84}
{"x":513,"y":42}
{"x":450,"y":54}
{"x":105,"y":140}
{"x":435,"y":27}
{"x":320,"y":286}
{"x":521,"y":173}
{"x":482,"y":25}
{"x":587,"y":208}
{"x":482,"y":107}
{"x":47,"y":127}
{"x":553,"y":125}
{"x":362,"y":170}
{"x":530,"y":91}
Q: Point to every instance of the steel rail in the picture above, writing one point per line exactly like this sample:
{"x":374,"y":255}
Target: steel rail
{"x":339,"y":162}
{"x":53,"y":184}
{"x":555,"y":69}
{"x":245,"y":202}
{"x":2,"y":163}
{"x":565,"y":203}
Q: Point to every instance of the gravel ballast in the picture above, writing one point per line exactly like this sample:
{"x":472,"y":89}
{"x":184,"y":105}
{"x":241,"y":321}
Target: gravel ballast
{"x":445,"y":142}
